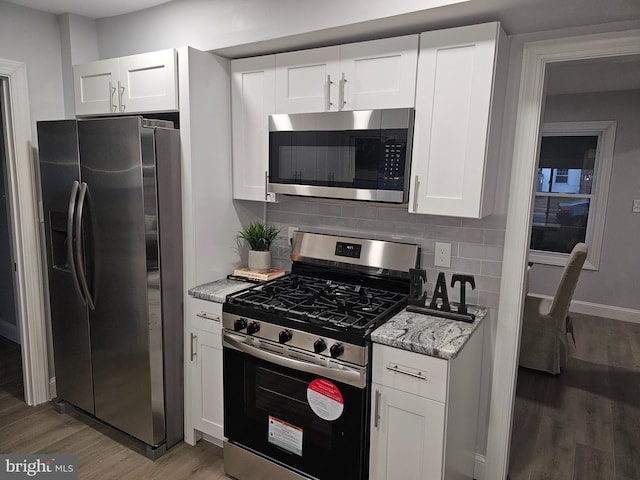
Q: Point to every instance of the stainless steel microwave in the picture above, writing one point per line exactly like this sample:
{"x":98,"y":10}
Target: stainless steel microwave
{"x":356,"y":155}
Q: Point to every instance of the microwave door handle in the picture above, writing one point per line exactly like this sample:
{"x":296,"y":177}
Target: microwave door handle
{"x":71,"y":240}
{"x":345,"y":374}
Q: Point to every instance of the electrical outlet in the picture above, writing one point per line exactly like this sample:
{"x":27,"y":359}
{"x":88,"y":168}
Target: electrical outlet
{"x":290,"y":234}
{"x":443,"y":255}
{"x":636,"y":206}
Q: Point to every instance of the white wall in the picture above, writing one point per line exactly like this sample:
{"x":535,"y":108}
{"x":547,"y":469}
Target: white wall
{"x":616,"y":281}
{"x":209,"y":25}
{"x":33,"y":38}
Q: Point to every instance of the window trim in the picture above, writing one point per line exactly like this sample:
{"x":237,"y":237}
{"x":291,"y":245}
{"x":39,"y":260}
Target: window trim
{"x":606,"y":130}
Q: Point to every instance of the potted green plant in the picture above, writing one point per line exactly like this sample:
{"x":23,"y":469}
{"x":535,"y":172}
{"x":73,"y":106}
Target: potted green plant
{"x":259,"y":236}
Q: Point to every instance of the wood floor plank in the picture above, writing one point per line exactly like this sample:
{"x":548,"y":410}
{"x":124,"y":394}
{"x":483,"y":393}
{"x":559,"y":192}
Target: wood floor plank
{"x":103,"y":453}
{"x":593,"y":464}
{"x":554,"y":451}
{"x":594,"y":403}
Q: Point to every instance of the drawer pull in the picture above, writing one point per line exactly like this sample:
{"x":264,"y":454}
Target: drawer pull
{"x":208,"y":316}
{"x":395,"y":368}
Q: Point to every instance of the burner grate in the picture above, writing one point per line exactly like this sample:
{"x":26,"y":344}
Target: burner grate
{"x":321,"y":302}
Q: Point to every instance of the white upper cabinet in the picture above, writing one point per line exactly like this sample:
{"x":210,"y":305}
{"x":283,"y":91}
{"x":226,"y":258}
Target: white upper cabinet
{"x":138,"y":83}
{"x":252,"y":101}
{"x":378,"y":74}
{"x":307,"y":80}
{"x":364,"y":75}
{"x":459,"y":93}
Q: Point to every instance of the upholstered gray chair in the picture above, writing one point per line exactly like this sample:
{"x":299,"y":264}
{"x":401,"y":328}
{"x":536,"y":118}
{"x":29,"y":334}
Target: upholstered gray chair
{"x":543,"y":344}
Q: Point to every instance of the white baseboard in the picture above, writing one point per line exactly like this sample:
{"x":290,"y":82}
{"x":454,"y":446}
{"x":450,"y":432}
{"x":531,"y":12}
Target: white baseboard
{"x":479,"y":466}
{"x":600,"y":310}
{"x":9,"y":330}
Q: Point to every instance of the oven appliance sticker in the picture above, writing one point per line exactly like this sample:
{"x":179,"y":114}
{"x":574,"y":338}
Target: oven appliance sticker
{"x":325,"y":399}
{"x":285,"y":435}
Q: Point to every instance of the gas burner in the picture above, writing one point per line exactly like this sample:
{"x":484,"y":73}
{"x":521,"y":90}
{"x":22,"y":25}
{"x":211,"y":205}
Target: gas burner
{"x":316,"y":300}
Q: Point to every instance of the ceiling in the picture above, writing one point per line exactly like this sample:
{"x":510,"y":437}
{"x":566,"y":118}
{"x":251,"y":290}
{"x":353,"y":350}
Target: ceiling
{"x":89,"y":8}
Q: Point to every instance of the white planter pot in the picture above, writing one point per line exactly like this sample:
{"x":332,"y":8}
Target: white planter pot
{"x":259,"y":260}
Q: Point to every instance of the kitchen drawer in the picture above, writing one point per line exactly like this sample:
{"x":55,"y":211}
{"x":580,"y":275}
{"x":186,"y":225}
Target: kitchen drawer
{"x":206,"y":315}
{"x":410,"y":372}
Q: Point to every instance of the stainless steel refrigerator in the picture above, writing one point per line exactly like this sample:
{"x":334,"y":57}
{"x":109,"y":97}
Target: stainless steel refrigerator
{"x":111,"y":194}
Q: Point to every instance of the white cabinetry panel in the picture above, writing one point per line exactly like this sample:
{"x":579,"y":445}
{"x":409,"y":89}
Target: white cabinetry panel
{"x":455,"y":156}
{"x":307,"y":80}
{"x":354,"y":76}
{"x":204,"y":355}
{"x":407,"y":440}
{"x":138,"y":83}
{"x":253,"y":100}
{"x":379,"y":73}
{"x":96,"y":87}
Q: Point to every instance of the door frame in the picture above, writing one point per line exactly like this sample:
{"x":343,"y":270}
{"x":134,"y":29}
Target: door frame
{"x":536,"y":55}
{"x":24,"y":219}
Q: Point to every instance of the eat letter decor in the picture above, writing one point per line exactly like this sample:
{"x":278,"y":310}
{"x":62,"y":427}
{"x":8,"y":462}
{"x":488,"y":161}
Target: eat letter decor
{"x":439,"y":305}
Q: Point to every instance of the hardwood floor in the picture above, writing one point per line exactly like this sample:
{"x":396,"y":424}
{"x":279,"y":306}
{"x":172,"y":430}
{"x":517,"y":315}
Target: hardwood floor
{"x":102,"y":452}
{"x":583,"y":424}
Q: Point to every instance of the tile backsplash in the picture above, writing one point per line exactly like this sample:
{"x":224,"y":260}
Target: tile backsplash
{"x":476,"y":245}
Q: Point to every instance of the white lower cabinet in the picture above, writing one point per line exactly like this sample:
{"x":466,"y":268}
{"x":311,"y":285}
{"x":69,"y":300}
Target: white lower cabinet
{"x":205,"y":368}
{"x":424,"y":413}
{"x":407,"y":435}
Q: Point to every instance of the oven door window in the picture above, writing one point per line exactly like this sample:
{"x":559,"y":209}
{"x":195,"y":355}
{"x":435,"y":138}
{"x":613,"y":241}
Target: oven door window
{"x":268,"y":410}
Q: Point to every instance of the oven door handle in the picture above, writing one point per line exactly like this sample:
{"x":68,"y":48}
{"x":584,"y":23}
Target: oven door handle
{"x":343,"y":374}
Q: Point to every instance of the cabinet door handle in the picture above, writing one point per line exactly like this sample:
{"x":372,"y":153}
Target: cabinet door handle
{"x":209,"y":316}
{"x":376,"y":418}
{"x":416,"y":184}
{"x":112,"y":92}
{"x":395,"y":368}
{"x":120,"y":93}
{"x":192,"y":349}
{"x":341,"y":101}
{"x":327,"y":93}
{"x":266,"y":185}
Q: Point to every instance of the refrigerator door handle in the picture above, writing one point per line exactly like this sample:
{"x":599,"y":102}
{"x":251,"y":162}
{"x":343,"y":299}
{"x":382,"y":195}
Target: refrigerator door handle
{"x":79,"y":251}
{"x":71,"y":240}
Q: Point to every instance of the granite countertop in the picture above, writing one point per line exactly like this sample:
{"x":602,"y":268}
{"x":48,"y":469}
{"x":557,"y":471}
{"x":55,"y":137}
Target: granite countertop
{"x":427,"y":334}
{"x":218,"y":290}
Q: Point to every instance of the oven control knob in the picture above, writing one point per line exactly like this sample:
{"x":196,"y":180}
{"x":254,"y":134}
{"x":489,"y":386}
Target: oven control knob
{"x":336,"y":350}
{"x":253,"y":327}
{"x":319,"y":346}
{"x":284,"y":336}
{"x":239,"y":324}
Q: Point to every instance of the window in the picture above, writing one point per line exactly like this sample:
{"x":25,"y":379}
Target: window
{"x":574,"y":168}
{"x":562,"y":175}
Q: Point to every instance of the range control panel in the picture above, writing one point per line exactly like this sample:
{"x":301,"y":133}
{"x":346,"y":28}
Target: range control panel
{"x":351,"y":250}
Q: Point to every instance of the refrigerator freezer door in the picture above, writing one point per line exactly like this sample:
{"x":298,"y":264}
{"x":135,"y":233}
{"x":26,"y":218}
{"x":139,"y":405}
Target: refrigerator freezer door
{"x":111,"y":165}
{"x":59,"y":168}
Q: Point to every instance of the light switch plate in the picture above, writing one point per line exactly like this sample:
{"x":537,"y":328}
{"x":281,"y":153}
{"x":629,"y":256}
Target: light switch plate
{"x":443,"y":255}
{"x":636,"y":206}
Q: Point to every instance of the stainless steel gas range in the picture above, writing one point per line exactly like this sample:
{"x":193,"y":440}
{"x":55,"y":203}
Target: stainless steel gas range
{"x":297,"y":356}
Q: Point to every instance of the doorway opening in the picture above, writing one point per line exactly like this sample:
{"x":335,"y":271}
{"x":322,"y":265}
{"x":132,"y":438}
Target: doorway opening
{"x":536,"y":56}
{"x":24,"y":231}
